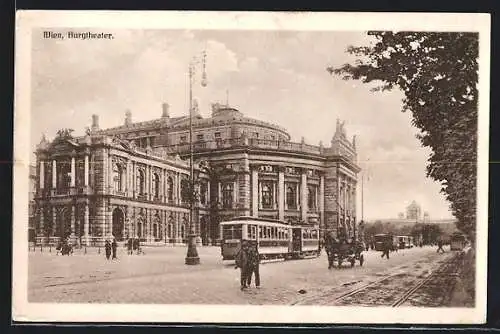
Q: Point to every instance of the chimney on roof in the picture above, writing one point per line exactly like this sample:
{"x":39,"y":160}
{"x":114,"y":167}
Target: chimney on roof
{"x":164,"y":107}
{"x":128,"y":117}
{"x":95,"y":122}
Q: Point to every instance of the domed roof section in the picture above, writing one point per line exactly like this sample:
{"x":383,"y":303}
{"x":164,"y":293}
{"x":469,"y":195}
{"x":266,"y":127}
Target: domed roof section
{"x":226,"y":114}
{"x":225,"y":111}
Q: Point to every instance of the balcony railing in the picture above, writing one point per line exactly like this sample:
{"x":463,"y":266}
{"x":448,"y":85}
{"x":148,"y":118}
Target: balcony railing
{"x":245,"y":142}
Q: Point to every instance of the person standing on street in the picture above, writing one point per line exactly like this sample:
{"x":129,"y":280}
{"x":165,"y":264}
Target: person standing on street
{"x":241,"y":261}
{"x":107,"y":247}
{"x":387,"y":248}
{"x":440,"y":246}
{"x":253,"y":265}
{"x":114,"y":245}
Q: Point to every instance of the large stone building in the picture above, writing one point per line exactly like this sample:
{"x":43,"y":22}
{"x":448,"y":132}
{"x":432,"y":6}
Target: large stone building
{"x":414,"y":211}
{"x":133,"y":180}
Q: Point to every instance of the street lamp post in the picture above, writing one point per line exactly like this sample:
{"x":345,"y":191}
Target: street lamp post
{"x":192,"y":257}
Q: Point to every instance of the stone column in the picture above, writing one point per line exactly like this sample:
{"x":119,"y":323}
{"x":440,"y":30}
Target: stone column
{"x":110,"y":174}
{"x":86,"y":171}
{"x":86,"y":226}
{"x":41,"y":176}
{"x":54,"y":175}
{"x":73,"y":173}
{"x":148,"y":183}
{"x":134,"y":180}
{"x":303,"y":196}
{"x":73,"y":235}
{"x":255,"y":192}
{"x":54,"y":221}
{"x":322,"y":202}
{"x":177,"y":186}
{"x":281,"y":194}
{"x":208,"y":193}
{"x":41,"y":230}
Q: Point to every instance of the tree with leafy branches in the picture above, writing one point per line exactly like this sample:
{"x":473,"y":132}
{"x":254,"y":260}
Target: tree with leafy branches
{"x":438,"y":75}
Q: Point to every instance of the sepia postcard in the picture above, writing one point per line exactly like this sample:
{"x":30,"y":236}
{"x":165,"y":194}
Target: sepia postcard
{"x":238,"y":167}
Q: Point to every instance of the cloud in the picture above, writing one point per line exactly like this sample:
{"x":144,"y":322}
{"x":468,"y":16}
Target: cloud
{"x":276,"y":77}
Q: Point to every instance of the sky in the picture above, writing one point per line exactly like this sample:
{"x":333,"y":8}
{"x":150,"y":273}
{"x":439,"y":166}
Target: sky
{"x":275,"y":76}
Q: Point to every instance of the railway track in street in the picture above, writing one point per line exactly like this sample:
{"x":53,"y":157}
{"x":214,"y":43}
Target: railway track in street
{"x":389,"y":289}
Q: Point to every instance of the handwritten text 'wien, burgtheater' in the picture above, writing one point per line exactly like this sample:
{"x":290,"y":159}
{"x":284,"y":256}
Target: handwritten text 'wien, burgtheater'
{"x":86,"y":35}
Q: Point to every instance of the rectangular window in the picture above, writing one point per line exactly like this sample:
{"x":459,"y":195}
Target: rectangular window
{"x":199,"y":137}
{"x":227,"y":195}
{"x":217,"y":135}
{"x":183,"y":139}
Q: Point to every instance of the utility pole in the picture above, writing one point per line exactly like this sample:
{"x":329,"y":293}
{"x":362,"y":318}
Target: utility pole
{"x":192,"y":257}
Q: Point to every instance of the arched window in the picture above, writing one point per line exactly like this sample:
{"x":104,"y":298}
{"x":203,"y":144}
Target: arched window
{"x":183,"y":231}
{"x":267,"y":196}
{"x":140,"y":182}
{"x":185,"y":193}
{"x":139,"y":230}
{"x":311,"y":197}
{"x":227,"y":195}
{"x":291,"y":197}
{"x":117,"y":177}
{"x":155,"y":230}
{"x":170,"y":189}
{"x":156,"y":186}
{"x":203,"y":193}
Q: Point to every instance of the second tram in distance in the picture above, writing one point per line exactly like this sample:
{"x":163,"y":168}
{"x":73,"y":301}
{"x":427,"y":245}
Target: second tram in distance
{"x":275,"y":240}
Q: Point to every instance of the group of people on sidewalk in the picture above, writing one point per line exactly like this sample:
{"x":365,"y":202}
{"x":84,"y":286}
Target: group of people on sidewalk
{"x":248,"y":260}
{"x":110,"y":248}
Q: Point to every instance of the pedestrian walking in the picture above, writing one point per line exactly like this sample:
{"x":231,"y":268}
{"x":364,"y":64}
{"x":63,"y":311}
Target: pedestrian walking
{"x":107,"y":247}
{"x":241,"y":261}
{"x":386,"y":249}
{"x":440,"y":246}
{"x":253,"y":265}
{"x":114,"y":245}
{"x":130,"y":245}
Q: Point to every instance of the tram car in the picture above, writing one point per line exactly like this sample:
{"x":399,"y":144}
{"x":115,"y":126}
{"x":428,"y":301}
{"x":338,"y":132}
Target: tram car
{"x":457,"y":242}
{"x":383,"y":239}
{"x":275,"y":240}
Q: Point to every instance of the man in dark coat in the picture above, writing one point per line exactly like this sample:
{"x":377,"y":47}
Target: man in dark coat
{"x":440,"y":246}
{"x":253,"y":265}
{"x":387,"y":248}
{"x":114,"y":245}
{"x":107,"y":247}
{"x":130,"y":246}
{"x":241,"y":261}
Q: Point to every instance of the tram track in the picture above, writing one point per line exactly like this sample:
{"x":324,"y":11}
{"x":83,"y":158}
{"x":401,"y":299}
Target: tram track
{"x":382,"y":289}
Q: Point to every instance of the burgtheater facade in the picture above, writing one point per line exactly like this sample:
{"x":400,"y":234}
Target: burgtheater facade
{"x":133,"y":180}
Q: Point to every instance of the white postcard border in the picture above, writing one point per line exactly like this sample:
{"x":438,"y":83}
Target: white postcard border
{"x":28,"y":20}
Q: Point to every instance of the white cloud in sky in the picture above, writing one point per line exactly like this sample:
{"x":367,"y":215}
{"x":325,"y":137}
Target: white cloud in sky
{"x":279,"y":77}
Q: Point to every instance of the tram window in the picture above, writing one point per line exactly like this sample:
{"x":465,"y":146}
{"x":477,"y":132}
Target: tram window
{"x":260,"y":232}
{"x":237,"y":232}
{"x":249,"y":231}
{"x":227,"y":232}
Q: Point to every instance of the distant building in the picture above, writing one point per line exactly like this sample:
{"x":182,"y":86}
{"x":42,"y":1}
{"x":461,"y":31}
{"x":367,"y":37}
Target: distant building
{"x":427,"y":218}
{"x":413,"y":211}
{"x":401,"y":215}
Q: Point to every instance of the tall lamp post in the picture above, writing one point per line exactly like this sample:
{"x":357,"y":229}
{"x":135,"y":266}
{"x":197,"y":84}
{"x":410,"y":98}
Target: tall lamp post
{"x":192,"y":257}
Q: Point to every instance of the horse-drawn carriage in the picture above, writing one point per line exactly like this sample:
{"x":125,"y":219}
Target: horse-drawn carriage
{"x":344,"y":251}
{"x":64,"y":247}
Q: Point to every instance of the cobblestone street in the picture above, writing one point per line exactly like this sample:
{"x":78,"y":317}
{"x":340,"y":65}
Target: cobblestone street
{"x":160,"y":276}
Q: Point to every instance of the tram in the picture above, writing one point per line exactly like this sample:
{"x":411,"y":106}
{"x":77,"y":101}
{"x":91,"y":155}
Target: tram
{"x":275,"y":240}
{"x":457,"y":242}
{"x":404,"y":241}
